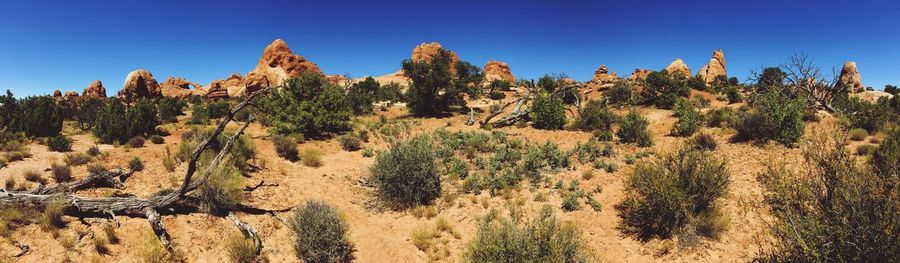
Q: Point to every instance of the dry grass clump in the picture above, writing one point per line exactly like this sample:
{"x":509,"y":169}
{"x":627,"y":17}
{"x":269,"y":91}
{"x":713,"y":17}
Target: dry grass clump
{"x":110,"y":230}
{"x":704,"y":141}
{"x":311,"y":157}
{"x":61,"y":173}
{"x":675,"y":195}
{"x":52,"y":216}
{"x":136,"y":142}
{"x":321,"y":234}
{"x":152,"y":250}
{"x":222,"y":189}
{"x":101,"y":244}
{"x":836,"y":209}
{"x":858,"y":134}
{"x":240,"y":249}
{"x":286,"y":147}
{"x":77,"y":158}
{"x":541,"y":239}
{"x":34,"y":176}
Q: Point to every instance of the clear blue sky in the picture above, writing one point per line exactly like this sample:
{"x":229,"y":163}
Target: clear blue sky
{"x":65,"y":45}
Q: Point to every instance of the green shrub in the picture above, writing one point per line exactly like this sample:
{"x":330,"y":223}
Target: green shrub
{"x":542,"y":239}
{"x":733,"y":95}
{"x":869,"y":116}
{"x":663,"y":89}
{"x":115,"y":122}
{"x":308,"y":105}
{"x":362,"y":94}
{"x":595,"y":116}
{"x":548,"y":112}
{"x":433,"y":89}
{"x":721,"y":117}
{"x":836,"y":210}
{"x":286,"y":147}
{"x":218,"y":109}
{"x":242,"y":151}
{"x":321,"y":235}
{"x":666,"y":195}
{"x":570,"y":202}
{"x":704,"y":141}
{"x":775,"y":116}
{"x":61,"y":173}
{"x":886,"y":159}
{"x":688,"y":118}
{"x":620,"y":93}
{"x":36,"y":116}
{"x":865,"y":149}
{"x":633,"y":129}
{"x":406,"y":174}
{"x":170,"y":108}
{"x":156,"y":139}
{"x":136,"y":142}
{"x":350,"y":142}
{"x":59,"y":143}
{"x":199,"y":115}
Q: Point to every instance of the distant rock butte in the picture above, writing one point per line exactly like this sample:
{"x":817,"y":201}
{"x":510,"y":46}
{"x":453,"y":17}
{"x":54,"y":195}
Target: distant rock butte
{"x":70,"y":94}
{"x":57,"y":93}
{"x":678,"y":66}
{"x":96,"y":89}
{"x":427,"y":51}
{"x":496,"y":70}
{"x":850,"y":78}
{"x":602,"y":79}
{"x":139,"y":84}
{"x":277,"y":64}
{"x":713,"y":69}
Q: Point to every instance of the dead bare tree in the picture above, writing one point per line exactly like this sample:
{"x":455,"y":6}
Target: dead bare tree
{"x":808,"y":81}
{"x":132,"y":206}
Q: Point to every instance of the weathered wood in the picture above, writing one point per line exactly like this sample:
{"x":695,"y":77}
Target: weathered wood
{"x":495,"y":113}
{"x":158,"y":228}
{"x":248,"y":231}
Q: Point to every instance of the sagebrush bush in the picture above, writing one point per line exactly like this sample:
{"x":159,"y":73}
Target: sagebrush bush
{"x":595,"y":116}
{"x":61,"y":173}
{"x":620,"y":93}
{"x":156,"y":139}
{"x":321,"y":234}
{"x":633,"y":129}
{"x":76,"y":158}
{"x":351,"y":142}
{"x":721,"y":117}
{"x":94,"y":150}
{"x":286,"y":147}
{"x":308,"y":105}
{"x":688,"y":118}
{"x":541,"y":239}
{"x":548,"y":112}
{"x":405,"y":175}
{"x":59,"y":143}
{"x":136,"y":142}
{"x":704,"y":141}
{"x":666,"y":195}
{"x":863,"y":114}
{"x":834,"y":210}
{"x":775,"y":116}
{"x":136,"y":164}
{"x":311,"y":157}
{"x":886,"y":158}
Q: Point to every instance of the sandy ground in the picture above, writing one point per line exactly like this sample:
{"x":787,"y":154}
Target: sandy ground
{"x":384,"y":236}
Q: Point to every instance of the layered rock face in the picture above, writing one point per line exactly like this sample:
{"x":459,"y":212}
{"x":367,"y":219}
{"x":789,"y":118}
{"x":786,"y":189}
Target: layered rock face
{"x":178,"y":87}
{"x":850,"y":78}
{"x":139,"y":84}
{"x":640,"y":74}
{"x":713,"y":69}
{"x":678,"y":66}
{"x":96,"y":89}
{"x":279,"y":63}
{"x":496,"y":70}
{"x":70,"y":94}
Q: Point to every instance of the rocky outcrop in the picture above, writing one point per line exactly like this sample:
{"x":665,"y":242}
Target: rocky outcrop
{"x":713,"y":69}
{"x":427,"y":51}
{"x":178,"y":87}
{"x":216,"y":89}
{"x":70,"y":94}
{"x":640,"y":74}
{"x":139,"y":84}
{"x":96,"y":89}
{"x":57,"y":94}
{"x":679,"y":67}
{"x":496,"y":70}
{"x":279,"y":63}
{"x":850,"y":78}
{"x":397,"y":77}
{"x":872,"y":96}
{"x":602,"y":79}
{"x":254,"y":82}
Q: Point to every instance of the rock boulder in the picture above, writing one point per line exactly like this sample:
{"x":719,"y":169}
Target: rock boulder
{"x":713,"y":69}
{"x":96,"y":89}
{"x":139,"y":84}
{"x":496,"y":70}
{"x":850,"y":78}
{"x":678,"y":66}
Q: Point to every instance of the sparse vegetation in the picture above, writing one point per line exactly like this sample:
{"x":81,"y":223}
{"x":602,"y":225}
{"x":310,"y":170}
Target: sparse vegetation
{"x":136,"y":142}
{"x":61,"y":173}
{"x":351,"y":143}
{"x":311,"y":157}
{"x":286,"y":148}
{"x":542,"y":239}
{"x":59,"y":143}
{"x":136,"y":164}
{"x":594,"y":116}
{"x":321,"y":235}
{"x":633,"y":129}
{"x":308,"y":105}
{"x":406,"y":175}
{"x":240,"y":249}
{"x":775,"y":116}
{"x":548,"y":112}
{"x":156,"y":139}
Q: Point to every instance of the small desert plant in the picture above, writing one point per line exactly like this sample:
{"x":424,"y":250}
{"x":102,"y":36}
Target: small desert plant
{"x":406,"y":174}
{"x":151,"y":249}
{"x":570,"y":202}
{"x":52,"y":216}
{"x":76,"y":159}
{"x":666,"y":197}
{"x":633,"y":129}
{"x":688,"y":118}
{"x":34,"y":176}
{"x":136,"y":164}
{"x":886,"y":159}
{"x":136,"y":142}
{"x":594,"y":116}
{"x":110,"y":230}
{"x":541,"y":239}
{"x":721,"y":117}
{"x":350,"y":142}
{"x":286,"y":147}
{"x":156,"y":139}
{"x":61,"y":173}
{"x":168,"y":162}
{"x":96,"y":169}
{"x":858,"y":134}
{"x":321,"y":233}
{"x":100,"y":244}
{"x":223,"y":187}
{"x":240,"y":249}
{"x":704,"y":141}
{"x":93,"y":151}
{"x":548,"y":112}
{"x":311,"y":157}
{"x":59,"y":143}
{"x":865,"y":149}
